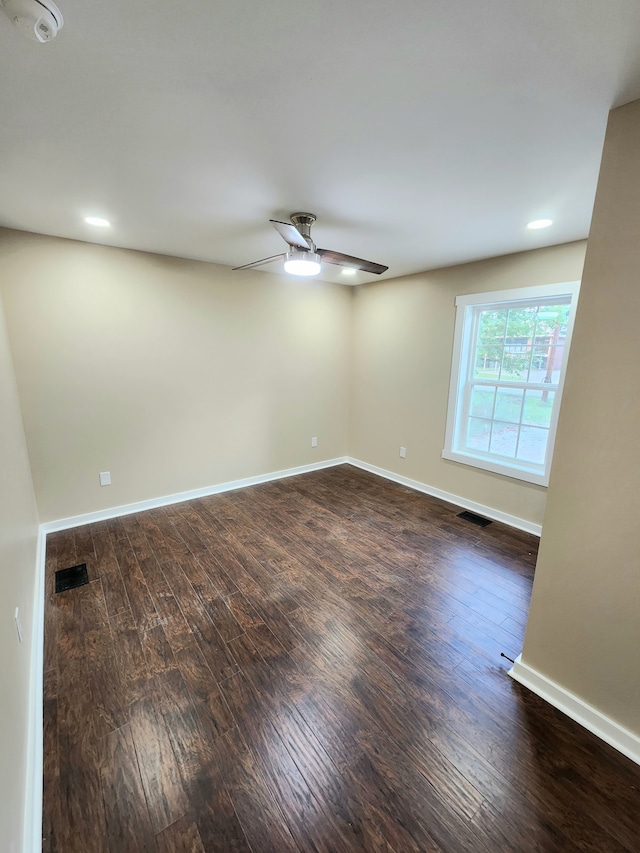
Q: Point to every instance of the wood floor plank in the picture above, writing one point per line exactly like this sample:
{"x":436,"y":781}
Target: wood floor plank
{"x":181,"y":837}
{"x":129,"y":657}
{"x":51,"y":819}
{"x":82,"y":812}
{"x":81,"y":806}
{"x":307,"y":817}
{"x":401,"y":826}
{"x":157,"y":652}
{"x":169,"y":614}
{"x":514,"y":627}
{"x":245,"y":614}
{"x":140,"y":601}
{"x":85,"y":551}
{"x":218,"y":823}
{"x":261,"y":818}
{"x":65,"y":545}
{"x":191,"y":726}
{"x":202,"y":685}
{"x":211,"y":644}
{"x":222,"y":617}
{"x":109,"y":699}
{"x":128,"y":824}
{"x":166,"y":799}
{"x":108,"y":570}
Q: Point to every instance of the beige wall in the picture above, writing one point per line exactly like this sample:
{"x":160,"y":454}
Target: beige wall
{"x":176,"y":375}
{"x":584,"y":624}
{"x":402,"y":347}
{"x":172,"y":374}
{"x":18,"y":539}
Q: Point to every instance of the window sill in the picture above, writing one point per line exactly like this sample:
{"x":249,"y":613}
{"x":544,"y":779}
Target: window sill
{"x":516,"y":473}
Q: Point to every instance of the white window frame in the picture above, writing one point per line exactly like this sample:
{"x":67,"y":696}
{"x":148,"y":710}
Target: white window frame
{"x":464,"y":338}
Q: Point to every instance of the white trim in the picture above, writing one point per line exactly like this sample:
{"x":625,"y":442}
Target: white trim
{"x":489,"y":512}
{"x":464,"y":331}
{"x":516,"y":473}
{"x":520,"y":294}
{"x":608,"y":730}
{"x":32,"y":830}
{"x":140,"y":506}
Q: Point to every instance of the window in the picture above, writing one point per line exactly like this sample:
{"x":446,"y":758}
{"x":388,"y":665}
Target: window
{"x":510,"y":352}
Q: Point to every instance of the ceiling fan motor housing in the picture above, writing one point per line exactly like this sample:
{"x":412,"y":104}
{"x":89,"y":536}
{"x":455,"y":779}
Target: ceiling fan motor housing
{"x":303,"y":222}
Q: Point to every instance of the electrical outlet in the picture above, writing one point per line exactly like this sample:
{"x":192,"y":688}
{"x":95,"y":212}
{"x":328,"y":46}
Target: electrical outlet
{"x":314,"y":441}
{"x":18,"y":624}
{"x":105,"y":478}
{"x":403,"y":452}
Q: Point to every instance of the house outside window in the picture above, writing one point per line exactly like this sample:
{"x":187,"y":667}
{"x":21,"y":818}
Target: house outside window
{"x":509,"y":359}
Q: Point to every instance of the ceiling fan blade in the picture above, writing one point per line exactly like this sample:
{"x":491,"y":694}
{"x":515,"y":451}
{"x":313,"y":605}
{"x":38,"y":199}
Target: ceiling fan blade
{"x":349,"y":261}
{"x":289,"y":234}
{"x":259,"y":263}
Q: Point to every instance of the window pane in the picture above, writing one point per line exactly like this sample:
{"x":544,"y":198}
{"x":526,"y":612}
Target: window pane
{"x":487,"y":363}
{"x":552,"y":319}
{"x":533,"y":444}
{"x":478,"y":432}
{"x":504,"y":439}
{"x":515,"y":363}
{"x":538,"y":406}
{"x":482,"y":402}
{"x":508,"y":405}
{"x":491,"y":326}
{"x":539,"y":361}
{"x":554,"y":363}
{"x":521,"y":325}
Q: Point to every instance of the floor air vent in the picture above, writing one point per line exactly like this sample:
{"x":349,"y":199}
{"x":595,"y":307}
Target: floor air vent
{"x":71,"y":578}
{"x":474,"y":519}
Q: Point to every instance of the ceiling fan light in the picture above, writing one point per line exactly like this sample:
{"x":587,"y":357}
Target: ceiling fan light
{"x":302,"y":263}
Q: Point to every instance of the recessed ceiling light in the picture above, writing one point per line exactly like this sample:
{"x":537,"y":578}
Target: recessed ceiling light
{"x":349,"y":271}
{"x":98,"y":221}
{"x":540,"y":223}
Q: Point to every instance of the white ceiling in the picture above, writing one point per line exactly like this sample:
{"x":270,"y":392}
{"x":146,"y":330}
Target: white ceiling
{"x":422,"y":133}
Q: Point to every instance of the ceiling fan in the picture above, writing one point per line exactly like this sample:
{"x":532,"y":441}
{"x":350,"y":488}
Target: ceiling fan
{"x":303,"y":257}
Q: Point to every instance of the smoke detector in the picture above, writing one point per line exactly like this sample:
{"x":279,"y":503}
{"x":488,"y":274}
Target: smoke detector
{"x":38,"y":20}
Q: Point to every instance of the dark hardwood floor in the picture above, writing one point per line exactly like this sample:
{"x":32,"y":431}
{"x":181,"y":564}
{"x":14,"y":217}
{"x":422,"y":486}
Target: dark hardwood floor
{"x":311,"y":664}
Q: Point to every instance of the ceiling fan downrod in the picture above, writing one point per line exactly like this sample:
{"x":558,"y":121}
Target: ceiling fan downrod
{"x":303,"y":222}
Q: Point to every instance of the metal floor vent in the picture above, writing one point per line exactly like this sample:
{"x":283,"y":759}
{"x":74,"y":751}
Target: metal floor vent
{"x":71,"y":578}
{"x":474,"y":519}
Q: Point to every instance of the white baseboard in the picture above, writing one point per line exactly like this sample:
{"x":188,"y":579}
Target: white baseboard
{"x":481,"y":509}
{"x":166,"y":500}
{"x":140,"y":506}
{"x":32,"y":831}
{"x":617,"y":736}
